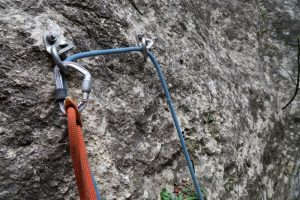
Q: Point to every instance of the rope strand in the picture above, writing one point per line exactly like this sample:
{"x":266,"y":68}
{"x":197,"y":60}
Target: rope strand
{"x":83,"y":175}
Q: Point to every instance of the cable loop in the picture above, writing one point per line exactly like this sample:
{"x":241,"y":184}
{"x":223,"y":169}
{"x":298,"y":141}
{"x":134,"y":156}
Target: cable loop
{"x":56,"y":58}
{"x":144,"y":42}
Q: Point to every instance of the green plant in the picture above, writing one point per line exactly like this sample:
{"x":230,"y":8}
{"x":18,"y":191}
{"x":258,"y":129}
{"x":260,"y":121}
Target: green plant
{"x":165,"y":195}
{"x":183,"y":195}
{"x":182,"y":191}
{"x":210,"y":118}
{"x":204,"y":191}
{"x":214,"y":130}
{"x":264,"y":16}
{"x":262,"y":9}
{"x":192,"y":145}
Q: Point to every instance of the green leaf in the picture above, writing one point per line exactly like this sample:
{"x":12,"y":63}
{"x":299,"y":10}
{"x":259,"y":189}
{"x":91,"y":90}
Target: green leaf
{"x":165,"y":195}
{"x":180,"y":196}
{"x":210,"y":118}
{"x":191,"y":198}
{"x":187,"y":189}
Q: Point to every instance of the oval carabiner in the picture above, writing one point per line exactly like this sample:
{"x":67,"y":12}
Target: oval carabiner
{"x":86,"y":84}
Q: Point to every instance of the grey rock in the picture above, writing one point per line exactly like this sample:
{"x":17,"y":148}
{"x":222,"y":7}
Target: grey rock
{"x":230,"y":68}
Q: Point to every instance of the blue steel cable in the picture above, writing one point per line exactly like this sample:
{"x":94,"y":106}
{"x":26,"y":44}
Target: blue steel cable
{"x":102,"y":52}
{"x":168,"y":97}
{"x":96,"y":187}
{"x":176,"y":123}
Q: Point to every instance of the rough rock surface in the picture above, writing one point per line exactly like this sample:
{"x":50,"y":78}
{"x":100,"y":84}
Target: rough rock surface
{"x":230,"y":69}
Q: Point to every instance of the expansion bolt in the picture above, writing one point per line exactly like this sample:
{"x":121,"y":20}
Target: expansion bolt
{"x":51,"y":37}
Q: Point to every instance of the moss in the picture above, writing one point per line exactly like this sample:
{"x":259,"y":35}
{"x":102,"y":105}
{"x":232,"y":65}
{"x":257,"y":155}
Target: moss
{"x":262,"y":9}
{"x":269,"y":49}
{"x":264,"y":15}
{"x":210,"y":118}
{"x":229,"y":186}
{"x":192,"y":145}
{"x":214,"y":129}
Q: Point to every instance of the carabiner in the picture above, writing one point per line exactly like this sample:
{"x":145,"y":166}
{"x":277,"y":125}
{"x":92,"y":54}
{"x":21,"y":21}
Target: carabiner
{"x":86,"y":84}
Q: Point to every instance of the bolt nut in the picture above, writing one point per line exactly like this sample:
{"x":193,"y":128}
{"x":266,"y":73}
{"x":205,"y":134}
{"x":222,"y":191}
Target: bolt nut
{"x":51,"y":37}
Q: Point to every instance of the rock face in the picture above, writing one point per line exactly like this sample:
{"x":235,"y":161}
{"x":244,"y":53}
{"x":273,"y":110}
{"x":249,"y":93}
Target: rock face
{"x":230,"y":68}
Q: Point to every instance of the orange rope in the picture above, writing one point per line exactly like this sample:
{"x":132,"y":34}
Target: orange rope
{"x":78,"y":153}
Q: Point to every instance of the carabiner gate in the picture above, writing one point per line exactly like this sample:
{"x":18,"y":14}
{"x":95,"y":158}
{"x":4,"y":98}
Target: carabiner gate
{"x":61,"y":86}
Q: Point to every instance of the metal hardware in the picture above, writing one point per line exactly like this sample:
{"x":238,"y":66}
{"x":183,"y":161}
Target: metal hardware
{"x":86,"y":83}
{"x":57,"y":46}
{"x":144,"y":42}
